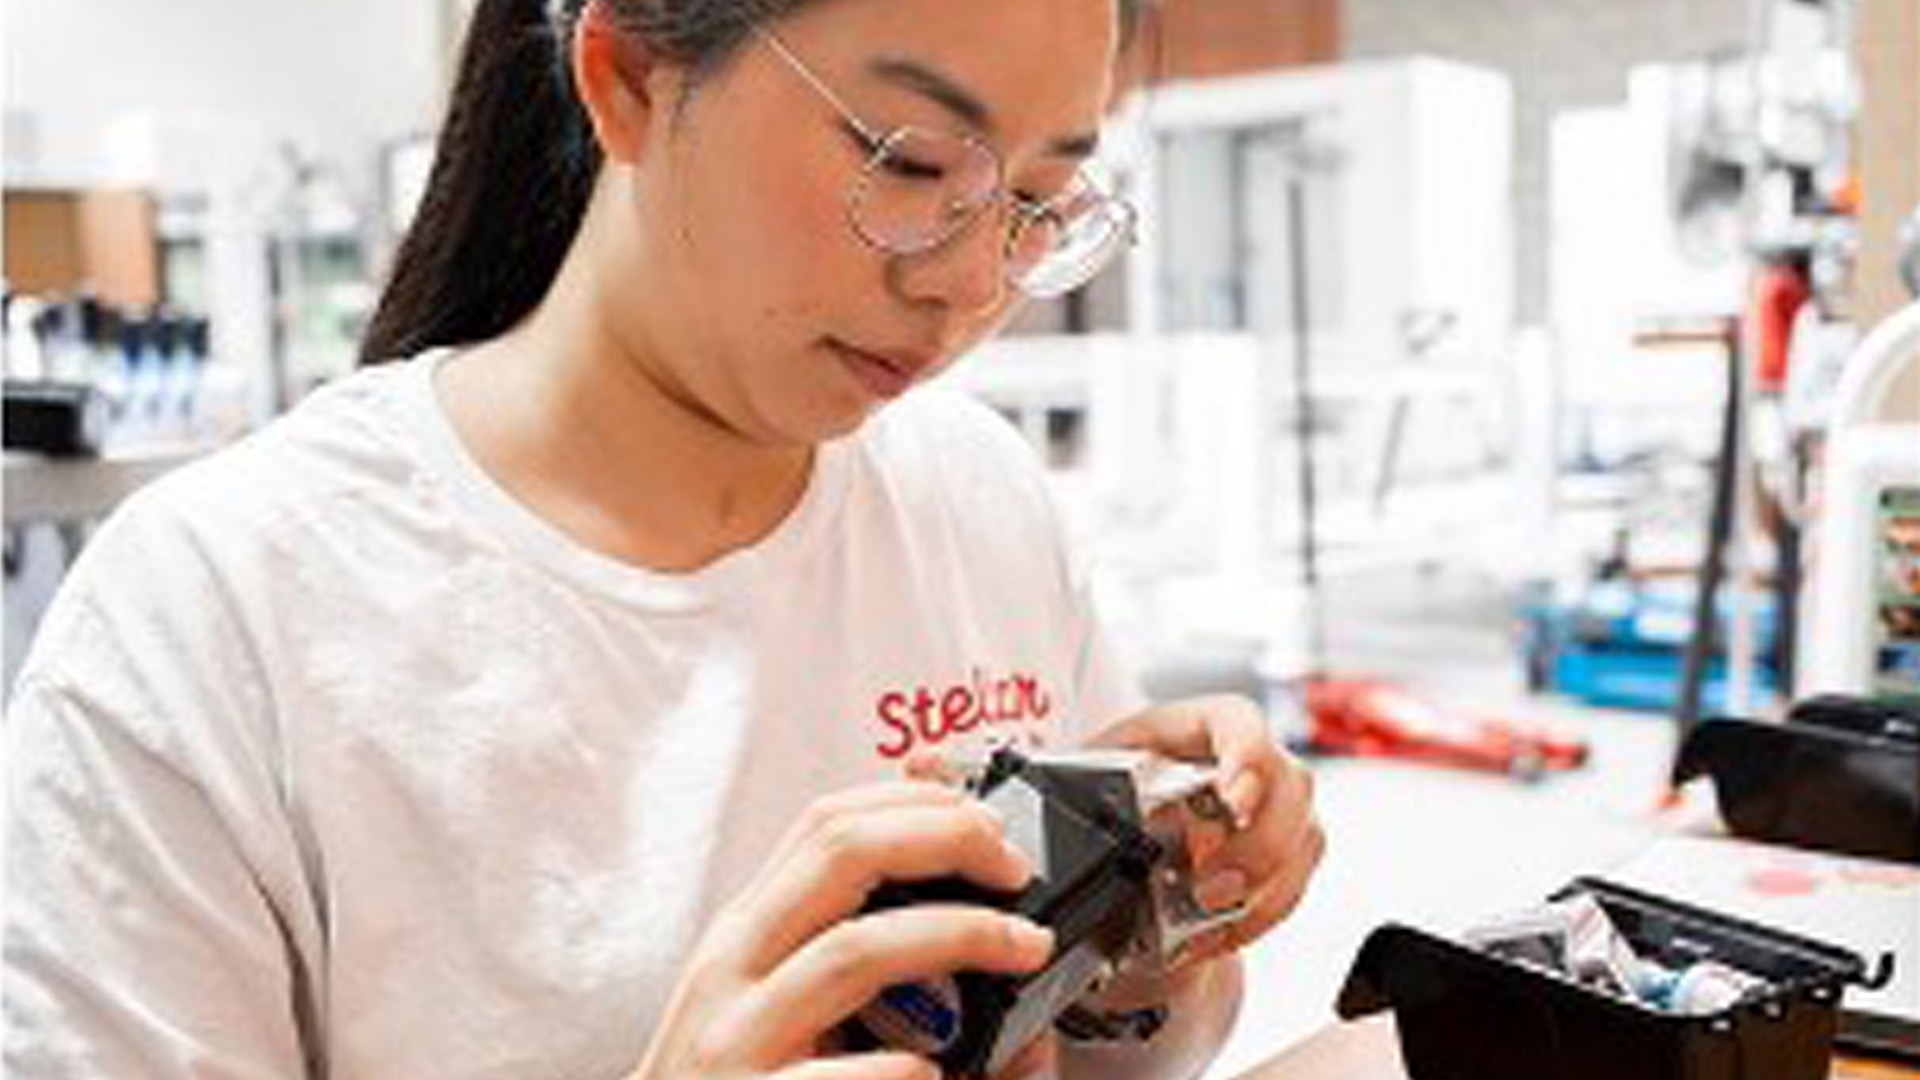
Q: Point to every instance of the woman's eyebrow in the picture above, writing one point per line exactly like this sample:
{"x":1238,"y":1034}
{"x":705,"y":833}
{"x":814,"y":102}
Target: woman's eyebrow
{"x":963,"y":104}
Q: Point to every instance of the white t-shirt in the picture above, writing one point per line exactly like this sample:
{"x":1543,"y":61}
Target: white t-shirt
{"x":332,"y":759}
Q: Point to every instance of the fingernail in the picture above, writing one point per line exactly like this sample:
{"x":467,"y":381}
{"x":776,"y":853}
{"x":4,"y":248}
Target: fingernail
{"x":1243,"y":797}
{"x":1030,"y":938}
{"x":1218,"y":892}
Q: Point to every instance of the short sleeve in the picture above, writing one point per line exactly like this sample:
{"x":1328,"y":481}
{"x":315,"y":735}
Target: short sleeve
{"x":142,"y":939}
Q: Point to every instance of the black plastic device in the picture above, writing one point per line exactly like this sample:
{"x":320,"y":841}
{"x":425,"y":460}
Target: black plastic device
{"x":1081,"y":827}
{"x":1463,"y":1014}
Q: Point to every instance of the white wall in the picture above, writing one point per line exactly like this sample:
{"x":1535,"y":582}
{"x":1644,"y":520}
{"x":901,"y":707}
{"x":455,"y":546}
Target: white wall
{"x":1559,"y":54}
{"x":1420,"y":217}
{"x":1617,"y":266}
{"x":338,"y":77}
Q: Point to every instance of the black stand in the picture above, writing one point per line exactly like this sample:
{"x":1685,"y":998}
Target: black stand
{"x":1704,"y":642}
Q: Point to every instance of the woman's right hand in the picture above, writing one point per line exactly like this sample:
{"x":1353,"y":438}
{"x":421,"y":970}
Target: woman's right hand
{"x":790,"y":958}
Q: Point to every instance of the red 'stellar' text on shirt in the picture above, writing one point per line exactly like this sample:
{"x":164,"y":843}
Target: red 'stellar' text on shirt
{"x":929,"y":715}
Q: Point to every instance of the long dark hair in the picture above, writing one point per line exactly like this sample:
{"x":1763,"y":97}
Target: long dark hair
{"x":516,"y":162}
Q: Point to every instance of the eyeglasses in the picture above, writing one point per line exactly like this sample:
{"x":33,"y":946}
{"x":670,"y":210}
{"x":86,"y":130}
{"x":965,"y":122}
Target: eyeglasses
{"x":921,"y":188}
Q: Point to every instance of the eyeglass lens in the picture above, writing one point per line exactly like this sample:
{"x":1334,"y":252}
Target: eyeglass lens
{"x":921,"y":188}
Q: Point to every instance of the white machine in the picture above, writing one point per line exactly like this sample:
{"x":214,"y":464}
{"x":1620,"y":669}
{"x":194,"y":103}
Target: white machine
{"x":1359,"y":214}
{"x":1863,"y":632}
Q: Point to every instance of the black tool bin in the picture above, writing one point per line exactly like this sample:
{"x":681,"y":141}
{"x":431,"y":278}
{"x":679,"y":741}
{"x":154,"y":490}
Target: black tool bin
{"x":1842,"y":775}
{"x":1465,"y":1015}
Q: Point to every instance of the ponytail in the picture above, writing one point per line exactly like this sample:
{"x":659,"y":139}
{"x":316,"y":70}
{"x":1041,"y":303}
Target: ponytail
{"x":512,"y":173}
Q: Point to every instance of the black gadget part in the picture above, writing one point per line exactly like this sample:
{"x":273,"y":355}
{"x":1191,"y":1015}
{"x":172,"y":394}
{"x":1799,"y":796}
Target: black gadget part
{"x":1463,"y":1014}
{"x":1080,"y":826}
{"x":1842,"y":774}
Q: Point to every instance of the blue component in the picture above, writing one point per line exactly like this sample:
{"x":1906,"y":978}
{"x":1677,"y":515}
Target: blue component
{"x":923,"y":1009}
{"x":1624,"y":646}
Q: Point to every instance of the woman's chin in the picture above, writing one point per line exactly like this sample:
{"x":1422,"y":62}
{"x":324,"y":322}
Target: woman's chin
{"x":844,"y":422}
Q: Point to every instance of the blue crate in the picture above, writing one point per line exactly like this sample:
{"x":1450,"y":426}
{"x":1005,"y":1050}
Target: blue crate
{"x":1647,"y":679}
{"x":1623,"y":645}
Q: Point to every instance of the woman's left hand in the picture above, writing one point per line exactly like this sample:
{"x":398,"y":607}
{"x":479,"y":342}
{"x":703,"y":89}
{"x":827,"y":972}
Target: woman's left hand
{"x":1277,"y":842}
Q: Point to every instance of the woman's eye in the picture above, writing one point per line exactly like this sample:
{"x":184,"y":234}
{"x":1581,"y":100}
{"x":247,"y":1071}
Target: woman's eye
{"x":907,"y":168}
{"x":1047,"y":187}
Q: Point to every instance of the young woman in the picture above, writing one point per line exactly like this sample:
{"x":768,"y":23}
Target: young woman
{"x":538,"y":704}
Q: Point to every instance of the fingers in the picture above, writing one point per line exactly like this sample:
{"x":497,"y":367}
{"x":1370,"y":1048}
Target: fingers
{"x":1273,"y":836}
{"x":932,"y":766}
{"x":1223,"y":889}
{"x":1275,"y":897}
{"x":885,"y":1065}
{"x":1276,"y":845}
{"x":842,"y":853}
{"x":1249,"y":763}
{"x":1228,"y":730}
{"x":831,"y":976}
{"x":1266,"y":866}
{"x":867,"y":798}
{"x":1177,"y":729}
{"x":1268,"y":841}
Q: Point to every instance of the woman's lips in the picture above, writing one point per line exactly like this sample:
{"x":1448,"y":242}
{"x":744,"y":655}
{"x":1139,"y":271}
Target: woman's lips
{"x":884,"y":377}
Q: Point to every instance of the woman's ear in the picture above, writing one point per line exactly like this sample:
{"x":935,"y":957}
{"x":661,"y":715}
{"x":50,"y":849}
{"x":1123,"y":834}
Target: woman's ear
{"x":616,"y":73}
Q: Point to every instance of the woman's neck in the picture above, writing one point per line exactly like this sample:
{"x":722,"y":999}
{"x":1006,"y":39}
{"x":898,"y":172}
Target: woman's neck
{"x":597,"y":443}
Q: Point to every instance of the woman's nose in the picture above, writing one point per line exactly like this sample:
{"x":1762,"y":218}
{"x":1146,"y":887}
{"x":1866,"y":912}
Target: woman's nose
{"x":967,"y":274}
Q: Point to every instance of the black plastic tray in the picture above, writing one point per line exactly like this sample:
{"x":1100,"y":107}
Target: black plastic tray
{"x":1840,"y":775}
{"x":1465,"y":1015}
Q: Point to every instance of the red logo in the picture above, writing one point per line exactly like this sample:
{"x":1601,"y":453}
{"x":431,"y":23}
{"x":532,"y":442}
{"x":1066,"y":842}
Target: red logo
{"x":927,"y":716}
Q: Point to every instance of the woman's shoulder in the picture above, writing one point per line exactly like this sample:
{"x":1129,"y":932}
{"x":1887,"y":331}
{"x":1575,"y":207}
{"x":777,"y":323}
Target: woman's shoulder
{"x":164,"y":626}
{"x":348,"y":433}
{"x":360,"y":429}
{"x":343,"y":441}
